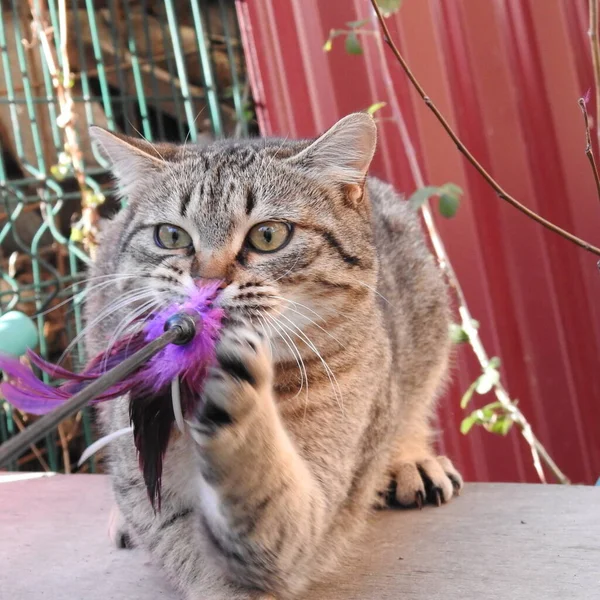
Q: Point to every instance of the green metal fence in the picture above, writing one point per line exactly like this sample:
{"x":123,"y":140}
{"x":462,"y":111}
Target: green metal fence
{"x":162,"y":69}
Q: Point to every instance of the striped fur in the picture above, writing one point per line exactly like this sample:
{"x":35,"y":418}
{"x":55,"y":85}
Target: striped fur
{"x":327,"y":370}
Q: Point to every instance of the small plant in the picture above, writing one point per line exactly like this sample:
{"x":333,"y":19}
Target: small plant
{"x":448,"y":196}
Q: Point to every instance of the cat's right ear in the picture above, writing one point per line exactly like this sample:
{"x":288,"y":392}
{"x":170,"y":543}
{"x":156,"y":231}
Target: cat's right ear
{"x":131,"y":160}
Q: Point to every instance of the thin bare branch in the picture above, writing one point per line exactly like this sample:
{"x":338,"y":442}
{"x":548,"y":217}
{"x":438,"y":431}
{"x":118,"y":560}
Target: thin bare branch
{"x":62,"y":82}
{"x":502,"y":193}
{"x":595,"y":51}
{"x":589,"y":152}
{"x":64,"y":445}
{"x":538,"y":451}
{"x":34,"y":449}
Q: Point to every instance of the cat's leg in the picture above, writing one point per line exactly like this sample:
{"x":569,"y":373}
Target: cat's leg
{"x":417,"y":474}
{"x":264,"y":512}
{"x":174,"y":539}
{"x":242,"y":513}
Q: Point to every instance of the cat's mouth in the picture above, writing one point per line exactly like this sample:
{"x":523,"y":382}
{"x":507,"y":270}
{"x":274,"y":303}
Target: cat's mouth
{"x":251,"y":301}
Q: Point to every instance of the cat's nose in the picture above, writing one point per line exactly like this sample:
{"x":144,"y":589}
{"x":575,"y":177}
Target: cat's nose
{"x":220,"y":283}
{"x":211,"y":267}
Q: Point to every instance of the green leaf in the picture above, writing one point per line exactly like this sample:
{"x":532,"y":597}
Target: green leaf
{"x":328,"y":45}
{"x":356,"y":24}
{"x":450,"y":195}
{"x":76,"y":235}
{"x":493,"y":411}
{"x":375,"y":107}
{"x":457,"y":334}
{"x":501,"y":425}
{"x":352,"y":44}
{"x":448,"y":205}
{"x":389,"y":7}
{"x":487,"y":380}
{"x":421,"y":196}
{"x":468,"y":394}
{"x":468,"y":422}
{"x":59,"y":172}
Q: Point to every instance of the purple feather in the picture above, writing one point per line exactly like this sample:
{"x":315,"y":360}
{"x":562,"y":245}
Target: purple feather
{"x":150,"y":405}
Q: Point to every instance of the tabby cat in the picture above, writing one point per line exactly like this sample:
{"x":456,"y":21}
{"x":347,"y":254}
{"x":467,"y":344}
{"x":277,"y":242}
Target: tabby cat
{"x":335,"y":347}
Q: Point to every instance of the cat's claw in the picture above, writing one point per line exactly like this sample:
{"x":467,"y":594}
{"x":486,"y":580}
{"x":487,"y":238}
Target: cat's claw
{"x":432,"y":480}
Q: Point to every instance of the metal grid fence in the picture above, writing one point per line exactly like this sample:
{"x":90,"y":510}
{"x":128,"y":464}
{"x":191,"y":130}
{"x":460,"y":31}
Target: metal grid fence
{"x":168,"y":70}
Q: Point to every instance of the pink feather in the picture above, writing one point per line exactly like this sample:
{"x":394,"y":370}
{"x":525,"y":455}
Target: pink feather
{"x":150,"y":406}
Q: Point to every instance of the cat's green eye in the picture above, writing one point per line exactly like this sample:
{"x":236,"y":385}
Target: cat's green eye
{"x":269,"y":236}
{"x":171,"y":237}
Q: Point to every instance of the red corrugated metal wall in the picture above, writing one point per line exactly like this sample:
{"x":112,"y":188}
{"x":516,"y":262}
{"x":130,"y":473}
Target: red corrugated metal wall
{"x":507,"y":74}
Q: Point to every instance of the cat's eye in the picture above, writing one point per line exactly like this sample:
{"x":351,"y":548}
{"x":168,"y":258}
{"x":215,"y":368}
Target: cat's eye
{"x":171,"y":237}
{"x":269,"y":236}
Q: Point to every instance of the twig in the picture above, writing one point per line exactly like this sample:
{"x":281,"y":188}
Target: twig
{"x":64,"y":444}
{"x":589,"y":152}
{"x":66,"y":120}
{"x":595,"y":51}
{"x":34,"y":449}
{"x":538,"y":452}
{"x":502,"y":193}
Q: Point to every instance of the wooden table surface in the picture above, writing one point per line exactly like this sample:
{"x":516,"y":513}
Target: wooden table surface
{"x":497,"y":541}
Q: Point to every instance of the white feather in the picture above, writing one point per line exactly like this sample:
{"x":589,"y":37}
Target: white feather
{"x":103,"y":441}
{"x":176,"y":400}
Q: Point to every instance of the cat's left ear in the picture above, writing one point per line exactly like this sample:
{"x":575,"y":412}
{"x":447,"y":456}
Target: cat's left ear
{"x":132,"y":160}
{"x":343,"y":154}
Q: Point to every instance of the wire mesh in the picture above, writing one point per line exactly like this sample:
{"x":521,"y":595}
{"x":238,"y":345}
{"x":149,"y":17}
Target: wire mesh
{"x":169,"y":70}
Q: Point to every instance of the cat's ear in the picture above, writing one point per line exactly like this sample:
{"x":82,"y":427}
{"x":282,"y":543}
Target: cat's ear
{"x":131,"y":160}
{"x":342,"y":154}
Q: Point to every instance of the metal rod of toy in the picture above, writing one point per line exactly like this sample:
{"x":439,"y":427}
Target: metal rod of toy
{"x":180,"y":329}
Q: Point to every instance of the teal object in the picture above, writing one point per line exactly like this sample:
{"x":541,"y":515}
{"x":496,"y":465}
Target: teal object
{"x":159,"y":70}
{"x":17,"y":333}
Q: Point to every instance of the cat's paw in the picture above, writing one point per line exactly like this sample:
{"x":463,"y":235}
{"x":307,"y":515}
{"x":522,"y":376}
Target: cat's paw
{"x":241,"y":378}
{"x":434,"y":480}
{"x":118,"y":532}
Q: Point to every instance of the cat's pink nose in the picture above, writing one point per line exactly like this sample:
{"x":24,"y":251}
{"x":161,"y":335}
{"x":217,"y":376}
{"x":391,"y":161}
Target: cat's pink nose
{"x":220,"y":283}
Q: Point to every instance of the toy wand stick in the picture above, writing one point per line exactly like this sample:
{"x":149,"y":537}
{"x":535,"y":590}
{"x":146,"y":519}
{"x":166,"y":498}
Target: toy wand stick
{"x":179,"y":329}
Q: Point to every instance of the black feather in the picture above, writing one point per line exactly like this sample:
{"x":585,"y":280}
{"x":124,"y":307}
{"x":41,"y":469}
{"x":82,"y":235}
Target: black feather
{"x":152,"y":419}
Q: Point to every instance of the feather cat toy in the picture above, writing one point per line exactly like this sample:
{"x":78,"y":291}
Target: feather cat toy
{"x":162,"y":389}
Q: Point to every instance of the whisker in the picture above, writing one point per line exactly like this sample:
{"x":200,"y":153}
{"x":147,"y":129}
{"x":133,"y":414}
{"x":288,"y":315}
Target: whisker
{"x":147,"y":140}
{"x":262,"y":323}
{"x":300,"y":304}
{"x":288,"y":271}
{"x":314,"y":323}
{"x":332,"y":378}
{"x":267,"y":165}
{"x":372,"y":289}
{"x":82,"y":292}
{"x":118,"y":304}
{"x":131,"y":319}
{"x":295,"y":353}
{"x":190,"y":129}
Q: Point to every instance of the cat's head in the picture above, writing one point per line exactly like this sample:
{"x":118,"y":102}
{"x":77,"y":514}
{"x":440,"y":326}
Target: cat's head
{"x":284,"y":225}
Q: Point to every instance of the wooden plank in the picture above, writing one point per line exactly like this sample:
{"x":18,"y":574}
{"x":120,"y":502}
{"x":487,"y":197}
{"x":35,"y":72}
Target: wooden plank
{"x":497,"y":541}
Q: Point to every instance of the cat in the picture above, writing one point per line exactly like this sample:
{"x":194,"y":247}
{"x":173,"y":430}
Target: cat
{"x":335,"y":348}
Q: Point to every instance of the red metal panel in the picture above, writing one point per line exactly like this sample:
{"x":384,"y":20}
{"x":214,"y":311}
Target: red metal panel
{"x":507,"y":74}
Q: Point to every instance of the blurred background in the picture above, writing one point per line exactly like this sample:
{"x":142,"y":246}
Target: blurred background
{"x":506,"y":73}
